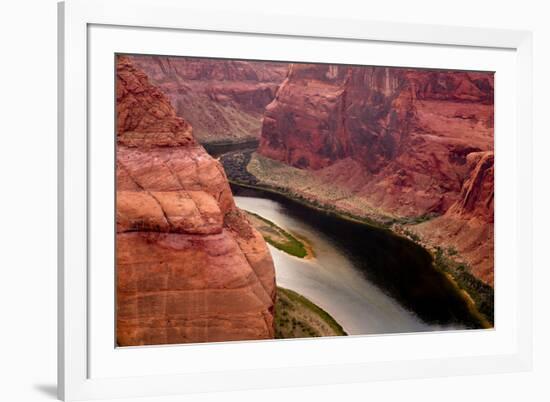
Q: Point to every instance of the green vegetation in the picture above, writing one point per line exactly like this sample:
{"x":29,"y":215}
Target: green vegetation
{"x":481,"y":293}
{"x":412,"y":235}
{"x":278,"y":237}
{"x":298,"y":317}
{"x":452,"y":251}
{"x":412,"y":220}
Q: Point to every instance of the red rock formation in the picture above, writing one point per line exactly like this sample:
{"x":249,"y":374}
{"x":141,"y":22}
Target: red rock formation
{"x":144,"y":115}
{"x":190,"y":268}
{"x":223,"y":100}
{"x":159,"y":68}
{"x":454,"y":86}
{"x":477,"y":195}
{"x":324,"y":113}
{"x":467,"y":225}
{"x":412,"y":147}
{"x":413,"y":133}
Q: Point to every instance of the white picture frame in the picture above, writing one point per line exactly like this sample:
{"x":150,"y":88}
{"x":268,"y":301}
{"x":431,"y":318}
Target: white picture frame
{"x":92,"y":31}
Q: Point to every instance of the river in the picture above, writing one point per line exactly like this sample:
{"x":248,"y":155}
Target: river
{"x":369,"y":280}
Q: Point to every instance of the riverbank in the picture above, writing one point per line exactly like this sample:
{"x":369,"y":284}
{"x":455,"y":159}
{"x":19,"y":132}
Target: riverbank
{"x":480,"y":295}
{"x":235,"y":166}
{"x":238,"y":167}
{"x":298,"y":317}
{"x":280,"y":238}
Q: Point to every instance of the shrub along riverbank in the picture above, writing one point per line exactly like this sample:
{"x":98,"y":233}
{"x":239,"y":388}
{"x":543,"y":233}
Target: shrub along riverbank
{"x":298,"y":317}
{"x":482,"y":295}
{"x":278,"y":237}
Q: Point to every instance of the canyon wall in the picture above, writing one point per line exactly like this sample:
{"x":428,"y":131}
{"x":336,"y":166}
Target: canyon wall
{"x":468,"y":225}
{"x":223,"y":100}
{"x":325,"y":113}
{"x":190,"y":268}
{"x":418,"y":143}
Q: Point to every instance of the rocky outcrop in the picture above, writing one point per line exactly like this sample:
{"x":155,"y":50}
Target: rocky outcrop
{"x":468,"y":225}
{"x":408,"y":137}
{"x":477,"y":195}
{"x":457,"y":86}
{"x":223,"y":100}
{"x":325,"y":113}
{"x":190,"y":268}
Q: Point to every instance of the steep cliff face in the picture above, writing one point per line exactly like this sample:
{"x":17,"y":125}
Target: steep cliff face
{"x":408,"y":137}
{"x":477,"y":194}
{"x":468,"y":225}
{"x":190,"y":268}
{"x":456,"y":86}
{"x":325,"y":113}
{"x":405,"y":128}
{"x":223,"y":100}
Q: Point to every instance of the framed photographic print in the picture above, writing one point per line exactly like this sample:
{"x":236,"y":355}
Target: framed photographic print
{"x":248,"y":203}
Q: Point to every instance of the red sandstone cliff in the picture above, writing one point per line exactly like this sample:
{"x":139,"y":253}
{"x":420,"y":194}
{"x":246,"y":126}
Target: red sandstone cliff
{"x":468,"y":225}
{"x":223,"y":100}
{"x":476,"y":87}
{"x":325,"y":113}
{"x":190,"y":268}
{"x":409,"y":138}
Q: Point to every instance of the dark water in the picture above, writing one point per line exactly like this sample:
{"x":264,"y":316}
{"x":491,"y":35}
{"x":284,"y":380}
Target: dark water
{"x":398,"y":267}
{"x":218,"y":149}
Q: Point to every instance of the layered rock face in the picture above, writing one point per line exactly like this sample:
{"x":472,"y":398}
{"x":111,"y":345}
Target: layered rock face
{"x":223,"y":100}
{"x":190,"y":268}
{"x":409,"y":137}
{"x":452,"y":86}
{"x":468,"y":225}
{"x":326,"y":113}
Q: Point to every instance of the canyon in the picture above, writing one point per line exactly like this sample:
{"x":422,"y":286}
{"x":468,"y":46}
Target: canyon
{"x":190,"y":267}
{"x":409,"y":148}
{"x":224,"y":100}
{"x":399,"y":161}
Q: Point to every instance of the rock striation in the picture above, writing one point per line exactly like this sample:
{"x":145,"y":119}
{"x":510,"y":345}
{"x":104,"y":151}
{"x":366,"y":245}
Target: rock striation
{"x":476,"y":87}
{"x":223,"y":100}
{"x":412,"y":140}
{"x":190,"y":267}
{"x":325,"y":113}
{"x":468,"y":225}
